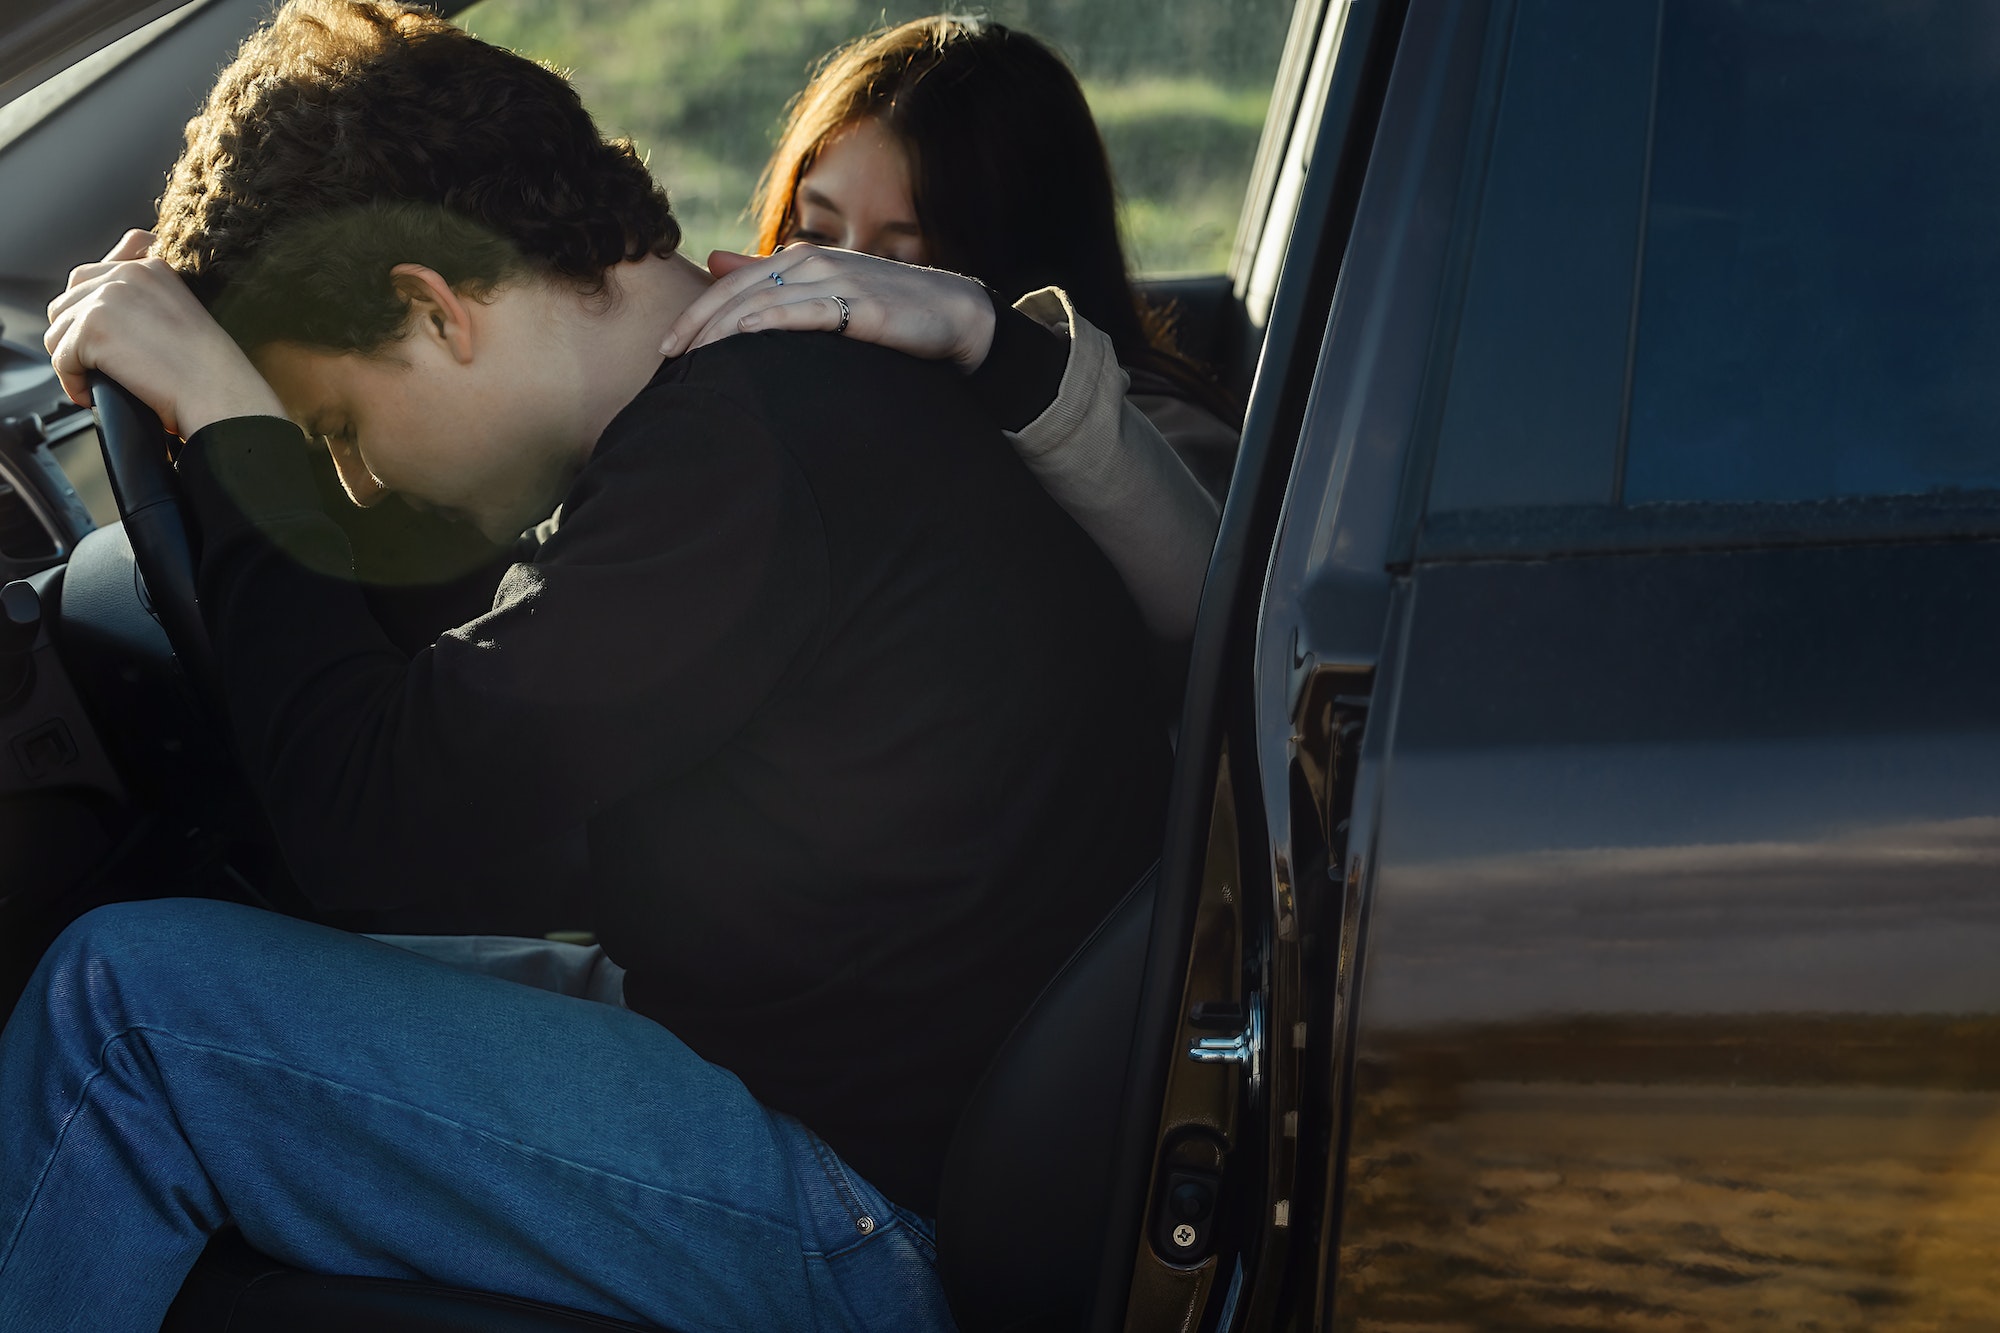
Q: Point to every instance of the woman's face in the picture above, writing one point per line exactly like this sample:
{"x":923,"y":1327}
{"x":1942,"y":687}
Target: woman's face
{"x":857,"y":196}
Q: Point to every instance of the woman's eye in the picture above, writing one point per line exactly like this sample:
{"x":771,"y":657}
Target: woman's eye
{"x":810,"y":235}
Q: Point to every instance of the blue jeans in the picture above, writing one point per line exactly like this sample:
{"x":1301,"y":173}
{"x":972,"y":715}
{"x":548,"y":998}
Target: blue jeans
{"x":355,"y":1107}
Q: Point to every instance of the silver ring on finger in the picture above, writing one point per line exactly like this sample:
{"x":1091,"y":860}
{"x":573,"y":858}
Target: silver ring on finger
{"x":777,"y":278}
{"x":845,"y":314}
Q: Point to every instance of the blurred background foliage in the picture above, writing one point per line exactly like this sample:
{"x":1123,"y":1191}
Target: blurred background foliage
{"x":1179,"y":88}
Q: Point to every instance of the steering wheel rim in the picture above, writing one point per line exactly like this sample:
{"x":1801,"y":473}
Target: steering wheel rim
{"x":137,"y":460}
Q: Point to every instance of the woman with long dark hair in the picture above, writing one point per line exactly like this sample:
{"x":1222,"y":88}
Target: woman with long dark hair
{"x":963,"y":146}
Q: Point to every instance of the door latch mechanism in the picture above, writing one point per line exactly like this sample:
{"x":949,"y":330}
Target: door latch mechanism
{"x":1245,"y":1048}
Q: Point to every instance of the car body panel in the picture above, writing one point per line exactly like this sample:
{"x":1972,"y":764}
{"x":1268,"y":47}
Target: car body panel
{"x":1678,"y":994}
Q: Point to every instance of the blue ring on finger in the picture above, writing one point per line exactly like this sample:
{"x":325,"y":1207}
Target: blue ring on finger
{"x":777,"y":277}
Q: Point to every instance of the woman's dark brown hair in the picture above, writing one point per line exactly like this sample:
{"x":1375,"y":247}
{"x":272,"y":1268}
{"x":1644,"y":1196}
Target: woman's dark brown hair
{"x":349,"y":136}
{"x":1009,"y":175}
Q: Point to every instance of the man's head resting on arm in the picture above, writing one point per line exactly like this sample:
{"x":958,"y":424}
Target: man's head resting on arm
{"x":400,"y":224}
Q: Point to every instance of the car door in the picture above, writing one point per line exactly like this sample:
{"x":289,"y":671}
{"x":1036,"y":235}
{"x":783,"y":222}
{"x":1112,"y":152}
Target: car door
{"x":1658,"y":910}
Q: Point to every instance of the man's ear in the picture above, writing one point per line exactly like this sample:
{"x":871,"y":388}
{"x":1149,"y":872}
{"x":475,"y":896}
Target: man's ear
{"x":436,"y":311}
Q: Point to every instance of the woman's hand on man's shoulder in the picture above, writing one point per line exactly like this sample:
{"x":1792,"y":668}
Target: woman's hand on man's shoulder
{"x":923,"y":312}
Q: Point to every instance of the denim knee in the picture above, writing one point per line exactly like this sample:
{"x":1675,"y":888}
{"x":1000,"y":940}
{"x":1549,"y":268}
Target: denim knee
{"x":101,"y":969}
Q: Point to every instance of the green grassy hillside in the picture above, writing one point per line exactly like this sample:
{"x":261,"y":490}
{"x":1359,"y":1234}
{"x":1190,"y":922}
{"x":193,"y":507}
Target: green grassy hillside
{"x":1179,"y":87}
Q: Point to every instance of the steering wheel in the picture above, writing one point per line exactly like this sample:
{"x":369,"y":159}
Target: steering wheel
{"x":138,"y":461}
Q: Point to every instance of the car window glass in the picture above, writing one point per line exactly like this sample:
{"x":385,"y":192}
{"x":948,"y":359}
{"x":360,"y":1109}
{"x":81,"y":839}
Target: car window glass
{"x":1537,"y":385}
{"x":1732,"y":253}
{"x":1179,"y":88}
{"x":1821,"y":304}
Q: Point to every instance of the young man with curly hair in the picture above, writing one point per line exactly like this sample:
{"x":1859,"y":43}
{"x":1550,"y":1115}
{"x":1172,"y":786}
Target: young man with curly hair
{"x":846,"y":708}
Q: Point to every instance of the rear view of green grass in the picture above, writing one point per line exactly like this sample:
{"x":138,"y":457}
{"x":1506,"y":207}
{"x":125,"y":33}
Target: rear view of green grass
{"x":1179,"y":88}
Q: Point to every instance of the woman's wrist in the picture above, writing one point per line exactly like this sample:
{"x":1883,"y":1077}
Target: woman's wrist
{"x":1023,"y":368}
{"x":978,"y":314}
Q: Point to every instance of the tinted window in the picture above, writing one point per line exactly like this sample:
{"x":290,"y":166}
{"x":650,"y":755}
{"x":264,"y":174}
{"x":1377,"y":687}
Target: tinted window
{"x":1820,"y":309}
{"x":1537,"y":394}
{"x":1732,"y":252}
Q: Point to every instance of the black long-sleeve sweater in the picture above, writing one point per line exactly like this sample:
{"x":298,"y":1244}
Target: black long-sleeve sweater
{"x":854,"y":716}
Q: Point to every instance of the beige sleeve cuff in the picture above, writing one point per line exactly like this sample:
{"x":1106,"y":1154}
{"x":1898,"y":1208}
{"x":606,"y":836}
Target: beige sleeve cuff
{"x":1116,"y":475}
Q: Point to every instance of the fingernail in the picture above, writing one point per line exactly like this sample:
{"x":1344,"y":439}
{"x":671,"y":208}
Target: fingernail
{"x":671,"y":346}
{"x":750,"y":323}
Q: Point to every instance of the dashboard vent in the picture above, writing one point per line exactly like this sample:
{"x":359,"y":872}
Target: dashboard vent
{"x":22,"y":536}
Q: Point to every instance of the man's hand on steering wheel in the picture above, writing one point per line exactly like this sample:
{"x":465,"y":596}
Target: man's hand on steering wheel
{"x":134,"y":319}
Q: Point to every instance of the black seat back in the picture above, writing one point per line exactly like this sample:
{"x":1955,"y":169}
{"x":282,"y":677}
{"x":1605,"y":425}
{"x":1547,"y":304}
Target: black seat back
{"x":1027,"y":1183}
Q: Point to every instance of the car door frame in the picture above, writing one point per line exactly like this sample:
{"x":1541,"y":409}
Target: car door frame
{"x":1323,"y":363}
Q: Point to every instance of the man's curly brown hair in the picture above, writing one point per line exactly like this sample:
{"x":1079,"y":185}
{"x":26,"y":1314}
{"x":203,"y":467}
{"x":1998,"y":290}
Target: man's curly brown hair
{"x":349,"y":136}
